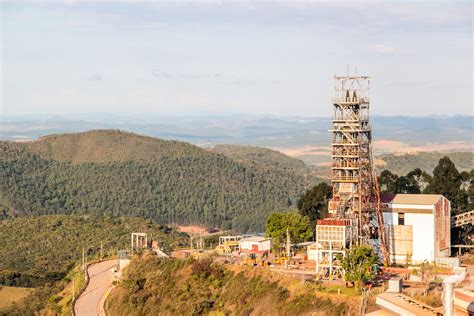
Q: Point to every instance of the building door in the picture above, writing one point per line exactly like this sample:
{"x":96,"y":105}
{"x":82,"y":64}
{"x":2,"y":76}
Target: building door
{"x":254,"y":248}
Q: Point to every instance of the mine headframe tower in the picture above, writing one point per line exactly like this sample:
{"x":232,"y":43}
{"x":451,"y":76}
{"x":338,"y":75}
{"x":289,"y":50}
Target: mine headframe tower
{"x":356,"y":197}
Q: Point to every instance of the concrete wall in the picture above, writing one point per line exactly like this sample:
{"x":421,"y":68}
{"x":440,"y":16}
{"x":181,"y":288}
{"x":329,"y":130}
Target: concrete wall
{"x":401,"y":243}
{"x":423,"y":232}
{"x":423,"y":236}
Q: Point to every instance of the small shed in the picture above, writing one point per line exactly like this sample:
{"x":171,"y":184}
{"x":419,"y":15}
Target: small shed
{"x":255,"y":244}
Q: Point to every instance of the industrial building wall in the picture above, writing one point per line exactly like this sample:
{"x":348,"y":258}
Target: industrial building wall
{"x":262,"y":245}
{"x":390,"y":218}
{"x":443,"y":228}
{"x":423,"y":236}
{"x":420,"y":228}
{"x":401,"y":243}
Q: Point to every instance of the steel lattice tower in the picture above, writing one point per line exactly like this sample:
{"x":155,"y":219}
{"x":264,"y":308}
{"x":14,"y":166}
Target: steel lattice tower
{"x":355,"y":189}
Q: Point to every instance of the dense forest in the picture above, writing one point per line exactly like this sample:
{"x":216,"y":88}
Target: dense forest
{"x":118,"y":173}
{"x":262,"y":158}
{"x":40,"y":249}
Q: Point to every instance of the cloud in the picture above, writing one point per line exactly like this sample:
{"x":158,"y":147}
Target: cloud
{"x":95,"y":77}
{"x":382,"y":49}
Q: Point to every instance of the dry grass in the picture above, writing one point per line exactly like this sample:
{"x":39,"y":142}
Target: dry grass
{"x":10,"y":294}
{"x":193,"y":230}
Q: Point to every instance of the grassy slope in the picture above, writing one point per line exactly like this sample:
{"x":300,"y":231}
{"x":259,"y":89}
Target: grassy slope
{"x":9,"y":295}
{"x":171,"y":287}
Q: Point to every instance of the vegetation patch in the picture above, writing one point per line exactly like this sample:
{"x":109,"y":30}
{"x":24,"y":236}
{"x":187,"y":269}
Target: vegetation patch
{"x":194,"y":287}
{"x":10,"y":295}
{"x":118,"y":173}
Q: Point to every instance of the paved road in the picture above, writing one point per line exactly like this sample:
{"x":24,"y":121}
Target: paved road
{"x":89,"y":303}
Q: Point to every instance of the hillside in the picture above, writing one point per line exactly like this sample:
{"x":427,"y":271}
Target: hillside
{"x":201,"y":287}
{"x":105,"y":146}
{"x":42,"y":249}
{"x":267,"y":161}
{"x":402,"y":164}
{"x":118,"y":173}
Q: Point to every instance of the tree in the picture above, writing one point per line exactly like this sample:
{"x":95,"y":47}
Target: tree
{"x":314,"y":202}
{"x":409,"y":184}
{"x":298,"y":228}
{"x":447,"y":181}
{"x":357,"y":263}
{"x":387,"y":182}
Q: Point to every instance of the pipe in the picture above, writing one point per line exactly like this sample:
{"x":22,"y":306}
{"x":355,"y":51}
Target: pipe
{"x":448,"y":292}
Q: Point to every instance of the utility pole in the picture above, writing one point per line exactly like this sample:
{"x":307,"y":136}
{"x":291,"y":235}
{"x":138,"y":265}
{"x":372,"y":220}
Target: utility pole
{"x":287,"y":248}
{"x":73,"y":294}
{"x":85,"y":267}
{"x":101,"y":247}
{"x":191,"y":242}
{"x":288,"y":243}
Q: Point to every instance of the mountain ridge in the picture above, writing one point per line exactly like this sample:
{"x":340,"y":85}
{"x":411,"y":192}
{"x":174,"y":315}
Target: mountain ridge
{"x":169,"y":181}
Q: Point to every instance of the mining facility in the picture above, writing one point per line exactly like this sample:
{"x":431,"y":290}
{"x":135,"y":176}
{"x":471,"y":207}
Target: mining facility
{"x":411,"y":233}
{"x":355,"y":211}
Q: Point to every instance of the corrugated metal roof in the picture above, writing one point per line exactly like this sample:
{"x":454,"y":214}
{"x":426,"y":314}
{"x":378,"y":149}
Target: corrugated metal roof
{"x":416,"y":199}
{"x":255,"y":238}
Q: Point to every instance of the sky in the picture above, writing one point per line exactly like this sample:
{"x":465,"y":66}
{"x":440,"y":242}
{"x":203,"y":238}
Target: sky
{"x":224,"y":57}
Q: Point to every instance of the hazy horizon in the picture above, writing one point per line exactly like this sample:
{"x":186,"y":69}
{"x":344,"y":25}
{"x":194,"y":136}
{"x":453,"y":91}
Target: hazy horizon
{"x":153,"y":115}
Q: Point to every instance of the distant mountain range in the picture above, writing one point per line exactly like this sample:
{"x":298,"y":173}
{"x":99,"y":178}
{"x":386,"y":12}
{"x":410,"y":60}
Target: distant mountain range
{"x":266,"y":131}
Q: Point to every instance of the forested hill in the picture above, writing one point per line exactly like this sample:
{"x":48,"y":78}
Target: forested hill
{"x":105,"y":146}
{"x":269,"y":162}
{"x":113,"y":172}
{"x":262,"y":158}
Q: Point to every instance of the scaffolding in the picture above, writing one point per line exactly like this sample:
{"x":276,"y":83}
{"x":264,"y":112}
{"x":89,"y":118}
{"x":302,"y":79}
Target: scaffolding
{"x":228,"y":244}
{"x":356,"y":198}
{"x":138,"y":241}
{"x":334,"y":237}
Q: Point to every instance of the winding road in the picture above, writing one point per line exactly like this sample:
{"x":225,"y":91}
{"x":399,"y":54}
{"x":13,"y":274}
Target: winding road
{"x":90,"y":303}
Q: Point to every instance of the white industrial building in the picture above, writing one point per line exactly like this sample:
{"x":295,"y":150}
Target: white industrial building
{"x":255,"y":244}
{"x":418,"y":227}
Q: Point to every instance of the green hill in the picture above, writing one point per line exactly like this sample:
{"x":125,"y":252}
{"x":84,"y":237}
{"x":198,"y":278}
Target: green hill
{"x":106,"y":146}
{"x":119,"y":173}
{"x":269,"y":163}
{"x":402,"y":164}
{"x":261,"y":158}
{"x":40,"y":249}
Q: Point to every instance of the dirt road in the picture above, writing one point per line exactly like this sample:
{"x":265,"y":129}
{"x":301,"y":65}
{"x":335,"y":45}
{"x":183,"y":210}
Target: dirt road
{"x":89,"y":303}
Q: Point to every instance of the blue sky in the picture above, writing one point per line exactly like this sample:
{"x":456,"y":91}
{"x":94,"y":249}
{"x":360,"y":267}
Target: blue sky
{"x":221,"y":57}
